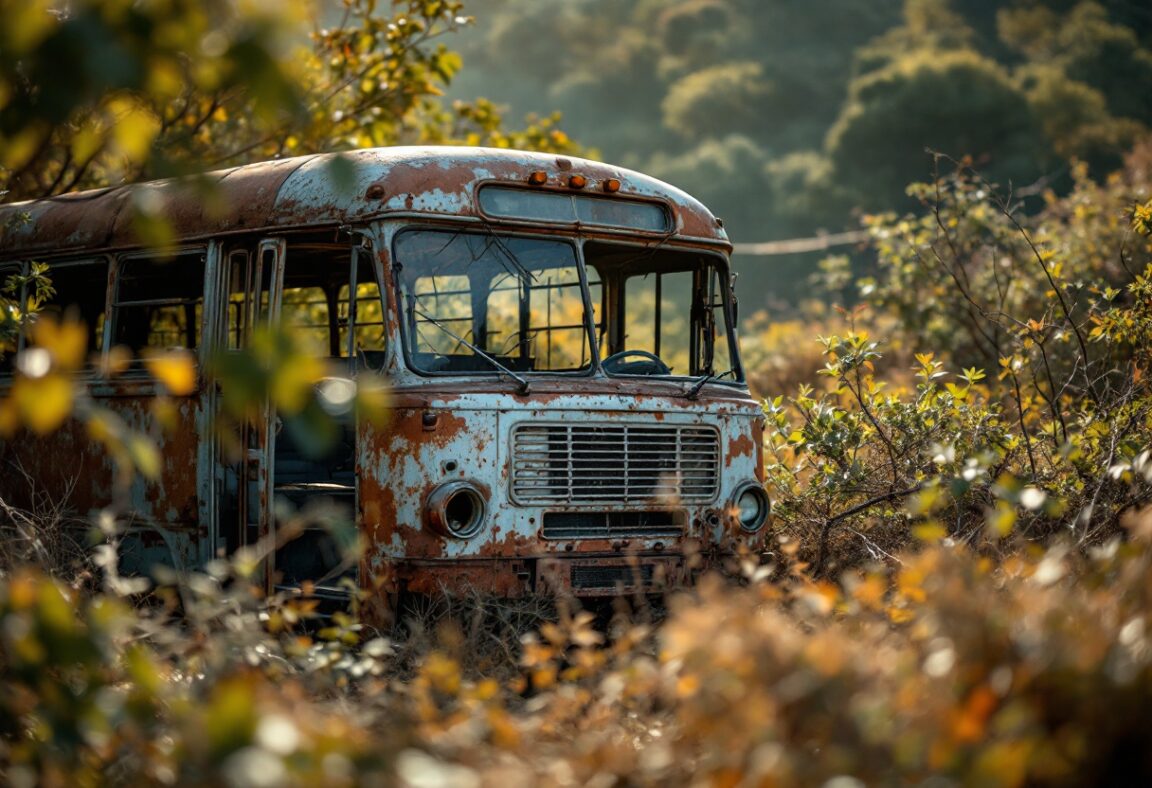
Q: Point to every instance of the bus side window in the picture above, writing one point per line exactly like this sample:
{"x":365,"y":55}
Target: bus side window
{"x":159,"y":302}
{"x":305,"y":313}
{"x":81,"y":292}
{"x":365,"y":313}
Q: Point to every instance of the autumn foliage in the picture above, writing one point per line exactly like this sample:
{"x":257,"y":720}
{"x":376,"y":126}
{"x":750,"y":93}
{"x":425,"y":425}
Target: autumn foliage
{"x":958,"y":585}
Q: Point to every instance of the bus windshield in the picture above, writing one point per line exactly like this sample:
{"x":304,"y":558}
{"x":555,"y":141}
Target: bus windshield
{"x":491,"y":303}
{"x":479,"y":303}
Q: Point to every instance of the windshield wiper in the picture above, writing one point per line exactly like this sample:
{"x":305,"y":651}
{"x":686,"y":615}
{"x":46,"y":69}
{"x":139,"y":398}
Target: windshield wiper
{"x":700,"y":382}
{"x":524,"y":387}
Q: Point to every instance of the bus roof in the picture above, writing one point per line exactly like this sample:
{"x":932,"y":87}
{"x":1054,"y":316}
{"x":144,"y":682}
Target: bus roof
{"x":319,"y":190}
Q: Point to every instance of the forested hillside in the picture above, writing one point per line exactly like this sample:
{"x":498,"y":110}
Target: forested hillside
{"x":787,"y":121}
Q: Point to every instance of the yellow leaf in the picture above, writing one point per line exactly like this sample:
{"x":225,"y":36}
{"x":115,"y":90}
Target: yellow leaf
{"x":1003,"y":764}
{"x":870,"y":591}
{"x":899,"y":615}
{"x":372,"y":400}
{"x":27,"y":24}
{"x":9,"y":417}
{"x":43,"y":403}
{"x":117,"y":360}
{"x":165,"y":79}
{"x":957,"y":392}
{"x":292,"y":382}
{"x":133,"y":129}
{"x":176,"y":369}
{"x":166,"y":414}
{"x":544,"y":677}
{"x":929,"y":532}
{"x":86,"y":143}
{"x":67,"y":342}
{"x":102,"y":428}
{"x":17,"y":150}
{"x":145,"y":456}
{"x":505,"y":735}
{"x":687,"y":685}
{"x":825,"y":654}
{"x":1001,"y":519}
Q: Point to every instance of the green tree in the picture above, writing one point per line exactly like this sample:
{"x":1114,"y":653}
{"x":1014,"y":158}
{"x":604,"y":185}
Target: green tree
{"x":105,"y":92}
{"x":724,"y":170}
{"x":1087,"y":46}
{"x":1075,"y":117}
{"x":958,"y":102}
{"x":99,"y":92}
{"x":729,"y":98}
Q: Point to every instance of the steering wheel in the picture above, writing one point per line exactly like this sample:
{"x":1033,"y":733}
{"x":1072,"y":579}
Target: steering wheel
{"x":651,"y":364}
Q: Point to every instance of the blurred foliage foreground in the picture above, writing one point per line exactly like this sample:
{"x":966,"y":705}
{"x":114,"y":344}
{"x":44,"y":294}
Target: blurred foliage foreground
{"x":1032,"y":670}
{"x":959,"y":592}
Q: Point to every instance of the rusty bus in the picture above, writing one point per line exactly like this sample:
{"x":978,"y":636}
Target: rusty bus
{"x":568,"y":409}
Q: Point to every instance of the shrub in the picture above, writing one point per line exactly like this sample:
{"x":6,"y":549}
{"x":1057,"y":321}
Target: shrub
{"x":1035,"y":420}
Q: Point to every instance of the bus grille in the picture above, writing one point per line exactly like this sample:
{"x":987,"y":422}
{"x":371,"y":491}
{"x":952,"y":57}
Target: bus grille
{"x":624,"y":464}
{"x":584,"y":577}
{"x":582,"y":524}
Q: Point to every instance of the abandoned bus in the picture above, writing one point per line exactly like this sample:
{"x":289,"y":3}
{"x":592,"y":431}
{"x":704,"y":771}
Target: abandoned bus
{"x":568,"y":411}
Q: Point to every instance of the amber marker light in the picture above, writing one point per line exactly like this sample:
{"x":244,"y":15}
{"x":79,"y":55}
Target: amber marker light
{"x":577,"y":181}
{"x":611,"y":185}
{"x":538,"y":178}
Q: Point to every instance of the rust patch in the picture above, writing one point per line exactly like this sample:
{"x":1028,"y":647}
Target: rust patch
{"x":513,"y":544}
{"x":740,"y":446}
{"x":239,"y":198}
{"x":70,"y":463}
{"x":506,"y":578}
{"x":408,"y":426}
{"x":412,"y":179}
{"x":758,"y":424}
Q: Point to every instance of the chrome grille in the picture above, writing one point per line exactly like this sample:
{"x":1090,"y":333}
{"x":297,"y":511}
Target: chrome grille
{"x":616,"y":463}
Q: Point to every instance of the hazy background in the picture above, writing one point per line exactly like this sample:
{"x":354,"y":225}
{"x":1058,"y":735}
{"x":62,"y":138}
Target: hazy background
{"x":790,"y":118}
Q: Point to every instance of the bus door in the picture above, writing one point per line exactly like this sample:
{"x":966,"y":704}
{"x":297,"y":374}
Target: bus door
{"x":325,"y":294}
{"x":330,"y":305}
{"x":253,"y":279}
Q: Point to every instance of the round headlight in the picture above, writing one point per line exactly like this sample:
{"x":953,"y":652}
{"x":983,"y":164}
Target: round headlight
{"x":752,"y":507}
{"x":456,"y":509}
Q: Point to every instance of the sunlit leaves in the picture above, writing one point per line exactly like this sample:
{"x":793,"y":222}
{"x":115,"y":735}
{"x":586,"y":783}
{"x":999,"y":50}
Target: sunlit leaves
{"x":42,"y":403}
{"x":133,"y":129}
{"x":947,"y":663}
{"x":65,"y":342}
{"x":275,"y":371}
{"x":106,"y":84}
{"x":175,"y":368}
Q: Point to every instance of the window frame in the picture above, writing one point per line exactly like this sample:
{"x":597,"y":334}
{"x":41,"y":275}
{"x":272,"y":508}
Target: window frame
{"x":666,"y":208}
{"x":137,"y":368}
{"x":99,"y":344}
{"x":710,"y":261}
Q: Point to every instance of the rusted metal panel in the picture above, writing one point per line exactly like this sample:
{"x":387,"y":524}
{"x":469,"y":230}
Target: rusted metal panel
{"x":228,"y":200}
{"x":70,"y":469}
{"x":436,"y":436}
{"x":79,"y":221}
